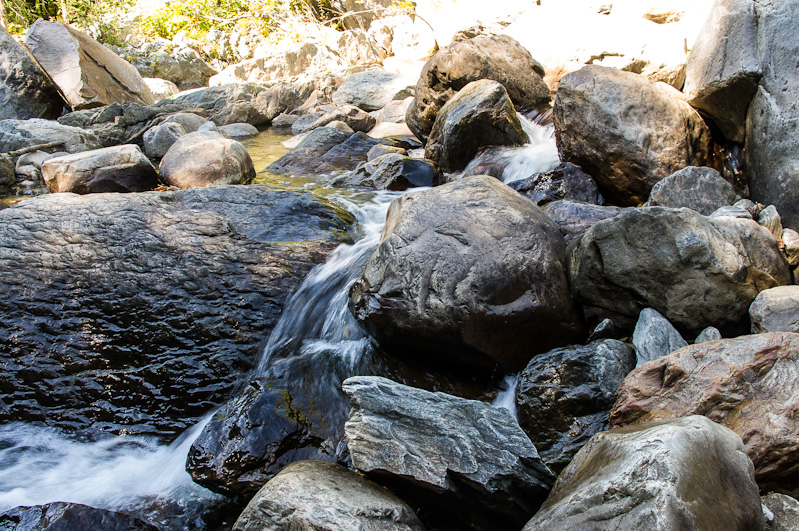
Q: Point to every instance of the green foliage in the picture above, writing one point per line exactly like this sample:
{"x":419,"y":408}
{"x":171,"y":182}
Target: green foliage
{"x":197,"y":17}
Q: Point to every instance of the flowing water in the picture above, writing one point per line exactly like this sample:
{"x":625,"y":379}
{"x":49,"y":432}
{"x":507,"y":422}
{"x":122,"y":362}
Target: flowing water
{"x":135,"y":474}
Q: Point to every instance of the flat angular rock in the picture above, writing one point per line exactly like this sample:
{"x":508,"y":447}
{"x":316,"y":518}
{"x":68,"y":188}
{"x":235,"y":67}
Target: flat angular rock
{"x":468,"y":274}
{"x":88,"y":73}
{"x":566,"y":181}
{"x":59,"y":516}
{"x":695,"y":271}
{"x":464,"y":455}
{"x":747,"y":384}
{"x":25,"y":90}
{"x":775,"y":310}
{"x":114,"y":169}
{"x":573,"y":218}
{"x":206,"y":158}
{"x":654,"y":337}
{"x":701,"y":189}
{"x":626,"y":131}
{"x":563,"y":396}
{"x":687,"y":473}
{"x":480,"y":114}
{"x":21,"y":134}
{"x":496,"y":57}
{"x":325,"y":497}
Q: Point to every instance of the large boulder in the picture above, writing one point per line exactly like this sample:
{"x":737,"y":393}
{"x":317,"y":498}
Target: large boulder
{"x":496,"y":57}
{"x":695,"y":271}
{"x":771,"y":159}
{"x":480,"y":114}
{"x":462,"y":456}
{"x":163,"y":296}
{"x":25,"y":90}
{"x":468,"y":273}
{"x":563,"y":397}
{"x":21,"y":134}
{"x":88,"y":73}
{"x":371,"y":90}
{"x":700,"y":189}
{"x":206,"y":158}
{"x":61,"y":516}
{"x":325,"y":497}
{"x":747,"y":384}
{"x":723,"y":69}
{"x":775,"y":310}
{"x":688,"y":473}
{"x":626,"y":131}
{"x":114,"y":169}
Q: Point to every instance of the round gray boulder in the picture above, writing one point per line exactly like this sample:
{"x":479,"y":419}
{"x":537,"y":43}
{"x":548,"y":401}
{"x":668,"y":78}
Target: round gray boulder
{"x":205,"y":158}
{"x":158,"y":139}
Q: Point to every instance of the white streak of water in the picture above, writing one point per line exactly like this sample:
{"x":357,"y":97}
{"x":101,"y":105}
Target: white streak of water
{"x":506,"y":398}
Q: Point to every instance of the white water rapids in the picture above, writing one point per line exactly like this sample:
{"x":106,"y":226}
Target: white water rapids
{"x":40,"y":465}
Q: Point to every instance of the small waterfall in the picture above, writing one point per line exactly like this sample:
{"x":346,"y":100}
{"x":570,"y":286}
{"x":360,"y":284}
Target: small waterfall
{"x":506,"y":398}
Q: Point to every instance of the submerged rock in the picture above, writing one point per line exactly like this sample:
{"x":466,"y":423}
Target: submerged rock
{"x":137,"y":313}
{"x":462,"y":456}
{"x":687,"y":473}
{"x":206,"y":158}
{"x":563,"y":396}
{"x":748,"y":384}
{"x":60,"y":516}
{"x":325,"y":497}
{"x":468,"y":274}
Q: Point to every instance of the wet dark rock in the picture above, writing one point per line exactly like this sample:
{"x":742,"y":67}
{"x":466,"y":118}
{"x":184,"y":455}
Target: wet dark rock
{"x":205,"y":158}
{"x":139,"y":312}
{"x":687,"y":473}
{"x":326,"y":150}
{"x":325,"y":497}
{"x":158,"y":139}
{"x":496,"y":57}
{"x":468,"y":274}
{"x":566,"y":181}
{"x":775,"y":310}
{"x":563,"y":397}
{"x":60,"y":516}
{"x":458,"y":455}
{"x":573,"y":219}
{"x":698,"y":188}
{"x":782,"y":512}
{"x":695,"y":271}
{"x":113,"y":169}
{"x":25,"y":90}
{"x":748,"y":384}
{"x":654,"y":337}
{"x":21,"y":134}
{"x":626,"y":131}
{"x":393,"y":172}
{"x":488,"y":161}
{"x":88,"y":73}
{"x":480,"y":114}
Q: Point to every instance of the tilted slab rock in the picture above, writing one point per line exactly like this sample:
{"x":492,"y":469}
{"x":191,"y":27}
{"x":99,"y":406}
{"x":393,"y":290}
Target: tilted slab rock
{"x":21,"y":134}
{"x":448,"y":451}
{"x":88,"y":73}
{"x":626,"y":131}
{"x":695,"y":271}
{"x":25,"y":90}
{"x":113,"y":169}
{"x":775,"y":310}
{"x":563,"y":396}
{"x":688,"y":473}
{"x":161,"y":296}
{"x":325,"y":497}
{"x":468,"y":274}
{"x":748,"y":384}
{"x":654,"y":337}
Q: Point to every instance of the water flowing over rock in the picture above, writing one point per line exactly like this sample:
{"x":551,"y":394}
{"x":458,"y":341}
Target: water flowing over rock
{"x":480,"y":114}
{"x":700,"y":189}
{"x":21,"y":134}
{"x":325,"y":497}
{"x":205,"y":158}
{"x":722,"y":71}
{"x":25,"y":90}
{"x":496,"y":57}
{"x":695,"y":271}
{"x":775,"y":310}
{"x":654,"y":337}
{"x":772,"y":158}
{"x":688,"y":473}
{"x":574,"y":218}
{"x":462,"y":455}
{"x":563,"y":397}
{"x":114,"y":169}
{"x":626,"y":131}
{"x":88,"y":74}
{"x":138,"y":312}
{"x":66,"y":516}
{"x":747,"y":384}
{"x":467,"y":274}
{"x":566,"y":181}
